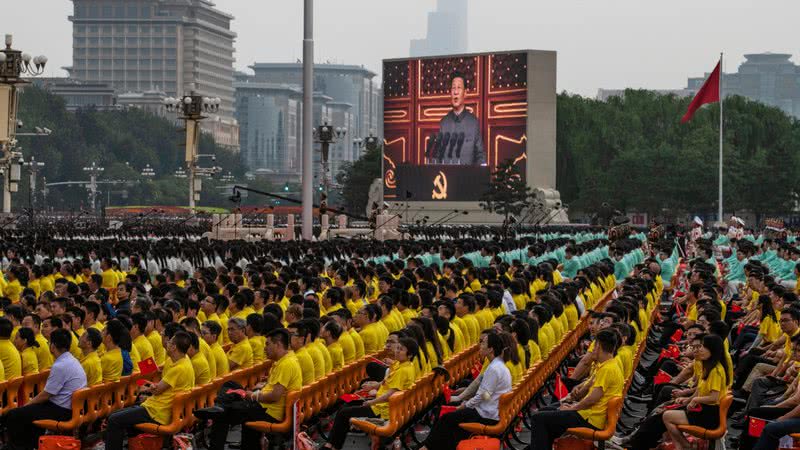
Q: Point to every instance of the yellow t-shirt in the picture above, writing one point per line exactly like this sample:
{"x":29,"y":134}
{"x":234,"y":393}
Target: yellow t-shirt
{"x":337,"y":355}
{"x":12,"y":290}
{"x":401,"y":377}
{"x":93,"y":369}
{"x":220,"y":359}
{"x":205,"y":349}
{"x":716,"y":381}
{"x":316,"y":358}
{"x":202,"y":374}
{"x":691,"y":313}
{"x":625,"y":358}
{"x":610,"y":379}
{"x":257,"y":343}
{"x":370,"y":337}
{"x":241,"y":354}
{"x":159,"y":353}
{"x":285,"y":372}
{"x":516,"y":371}
{"x":769,"y":328}
{"x":112,"y":365}
{"x":179,"y":375}
{"x":144,"y":347}
{"x":43,"y":355}
{"x":109,"y":279}
{"x":11,"y":359}
{"x":348,"y":347}
{"x":326,"y":356}
{"x":306,"y":365}
{"x":544,"y":342}
{"x":358,"y":343}
{"x":29,"y":362}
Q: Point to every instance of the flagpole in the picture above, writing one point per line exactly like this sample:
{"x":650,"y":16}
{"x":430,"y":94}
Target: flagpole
{"x":719,"y":213}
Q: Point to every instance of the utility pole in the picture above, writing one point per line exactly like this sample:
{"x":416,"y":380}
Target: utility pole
{"x":308,"y":114}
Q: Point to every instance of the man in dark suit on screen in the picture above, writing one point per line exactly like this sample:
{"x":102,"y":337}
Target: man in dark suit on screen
{"x":459,"y":139}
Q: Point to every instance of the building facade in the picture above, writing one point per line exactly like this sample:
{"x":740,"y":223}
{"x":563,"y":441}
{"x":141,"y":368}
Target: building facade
{"x":173,"y":46}
{"x":269,"y":110}
{"x":770,"y":78}
{"x":447,"y":30}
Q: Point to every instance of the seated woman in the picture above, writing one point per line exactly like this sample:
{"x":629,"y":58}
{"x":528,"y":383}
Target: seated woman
{"x":400,"y":377}
{"x":700,"y":408}
{"x":25,"y":343}
{"x":483,"y":406}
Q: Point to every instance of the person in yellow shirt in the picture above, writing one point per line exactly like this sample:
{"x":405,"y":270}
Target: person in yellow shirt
{"x":317,"y":346}
{"x":591,"y":411}
{"x":700,"y":408}
{"x":109,"y":276}
{"x":210,"y":332}
{"x":152,"y":335}
{"x":330,"y":333}
{"x":115,"y":336}
{"x":365,"y":321}
{"x":255,"y":323}
{"x":25,"y":342}
{"x":284,"y":377}
{"x":9,"y":354}
{"x":90,"y":360}
{"x":298,"y":337}
{"x":202,"y":373}
{"x":241,"y":353}
{"x":143,"y":345}
{"x":401,"y":376}
{"x":345,"y":339}
{"x":178,"y":376}
{"x":12,"y":288}
{"x":43,"y":356}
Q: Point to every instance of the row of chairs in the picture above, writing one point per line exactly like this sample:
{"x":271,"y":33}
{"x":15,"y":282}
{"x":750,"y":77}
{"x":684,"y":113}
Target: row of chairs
{"x":407,"y":407}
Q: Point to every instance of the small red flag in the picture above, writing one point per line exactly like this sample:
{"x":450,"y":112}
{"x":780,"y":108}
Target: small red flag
{"x":676,"y":336}
{"x":662,"y":377}
{"x":148,"y":366}
{"x":561,"y":388}
{"x":709,"y":93}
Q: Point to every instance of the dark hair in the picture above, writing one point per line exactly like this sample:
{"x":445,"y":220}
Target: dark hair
{"x":716,"y":348}
{"x":94,"y":336}
{"x":494,"y":342}
{"x":281,"y":336}
{"x":182,"y":341}
{"x":607,"y":340}
{"x":334,"y":329}
{"x":6,"y":328}
{"x":27,"y":335}
{"x":457,"y":74}
{"x":213,"y":327}
{"x":61,"y":339}
{"x":411,"y":346}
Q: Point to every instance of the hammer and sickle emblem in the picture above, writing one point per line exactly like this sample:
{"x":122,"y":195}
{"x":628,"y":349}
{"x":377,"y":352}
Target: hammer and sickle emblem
{"x":440,"y":187}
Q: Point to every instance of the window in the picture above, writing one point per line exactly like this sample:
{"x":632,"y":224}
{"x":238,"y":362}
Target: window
{"x":93,"y":12}
{"x":169,"y":52}
{"x":133,"y":12}
{"x":107,"y":29}
{"x":171,"y":29}
{"x":106,"y":41}
{"x":158,"y":51}
{"x":170,"y":41}
{"x":119,"y":41}
{"x":145,"y":29}
{"x":80,"y":29}
{"x":157,"y":64}
{"x":94,"y":41}
{"x":93,"y":29}
{"x":132,"y":51}
{"x":132,"y":28}
{"x":144,"y":52}
{"x":157,"y":29}
{"x":94,"y":51}
{"x":119,"y":12}
{"x":145,"y":12}
{"x":80,"y":11}
{"x":132,"y":41}
{"x":107,"y":11}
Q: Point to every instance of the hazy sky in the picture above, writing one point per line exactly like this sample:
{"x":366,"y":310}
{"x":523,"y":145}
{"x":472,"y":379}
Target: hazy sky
{"x":600,"y":43}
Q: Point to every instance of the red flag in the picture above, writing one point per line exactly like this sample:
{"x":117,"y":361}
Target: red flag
{"x":709,"y":93}
{"x":661,"y":377}
{"x":561,"y":388}
{"x":147,"y":366}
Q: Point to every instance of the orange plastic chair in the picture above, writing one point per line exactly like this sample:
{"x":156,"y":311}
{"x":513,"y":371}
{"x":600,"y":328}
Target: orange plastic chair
{"x":716,"y":433}
{"x":80,"y":405}
{"x":614,"y":407}
{"x":180,"y":404}
{"x":282,"y":427}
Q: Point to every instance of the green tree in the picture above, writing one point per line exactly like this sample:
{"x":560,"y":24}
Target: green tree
{"x":508,"y":192}
{"x":355,"y":179}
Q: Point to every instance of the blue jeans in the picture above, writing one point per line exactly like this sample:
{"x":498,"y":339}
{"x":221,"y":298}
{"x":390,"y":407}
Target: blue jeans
{"x":774,"y":431}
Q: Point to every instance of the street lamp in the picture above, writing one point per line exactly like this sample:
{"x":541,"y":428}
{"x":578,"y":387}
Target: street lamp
{"x":33,"y":168}
{"x":190,"y":109}
{"x":94,"y":170}
{"x":148,"y":171}
{"x":326,"y":135}
{"x":13,"y":64}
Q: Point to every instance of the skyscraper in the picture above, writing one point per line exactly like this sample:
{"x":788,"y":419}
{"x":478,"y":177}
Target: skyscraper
{"x":173,"y":46}
{"x":447,"y":30}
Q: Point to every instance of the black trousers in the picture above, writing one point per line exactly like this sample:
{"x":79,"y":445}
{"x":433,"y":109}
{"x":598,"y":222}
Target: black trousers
{"x":661,"y":394}
{"x":121,"y":423}
{"x":747,"y":442}
{"x":746,"y":366}
{"x":652,"y":428}
{"x":446,"y":434}
{"x":341,"y":424}
{"x":250,"y":438}
{"x":764,"y":390}
{"x":23,"y":434}
{"x":547,"y":426}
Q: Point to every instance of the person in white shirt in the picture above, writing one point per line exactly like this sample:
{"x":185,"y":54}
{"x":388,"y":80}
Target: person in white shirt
{"x":483,"y":406}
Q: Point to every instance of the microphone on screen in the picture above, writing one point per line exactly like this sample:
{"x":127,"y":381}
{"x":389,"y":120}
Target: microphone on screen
{"x":443,"y":146}
{"x":459,"y":145}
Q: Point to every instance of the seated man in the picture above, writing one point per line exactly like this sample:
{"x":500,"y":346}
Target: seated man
{"x":55,"y":401}
{"x":177,"y":377}
{"x":591,"y":411}
{"x":285,"y":376}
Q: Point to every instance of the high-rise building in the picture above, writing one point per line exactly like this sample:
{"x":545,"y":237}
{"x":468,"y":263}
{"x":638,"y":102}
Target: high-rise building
{"x":173,"y":46}
{"x":269,"y":107}
{"x":447,"y":30}
{"x":769,"y":78}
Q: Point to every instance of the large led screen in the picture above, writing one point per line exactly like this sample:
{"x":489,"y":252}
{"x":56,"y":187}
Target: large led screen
{"x":449,"y":121}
